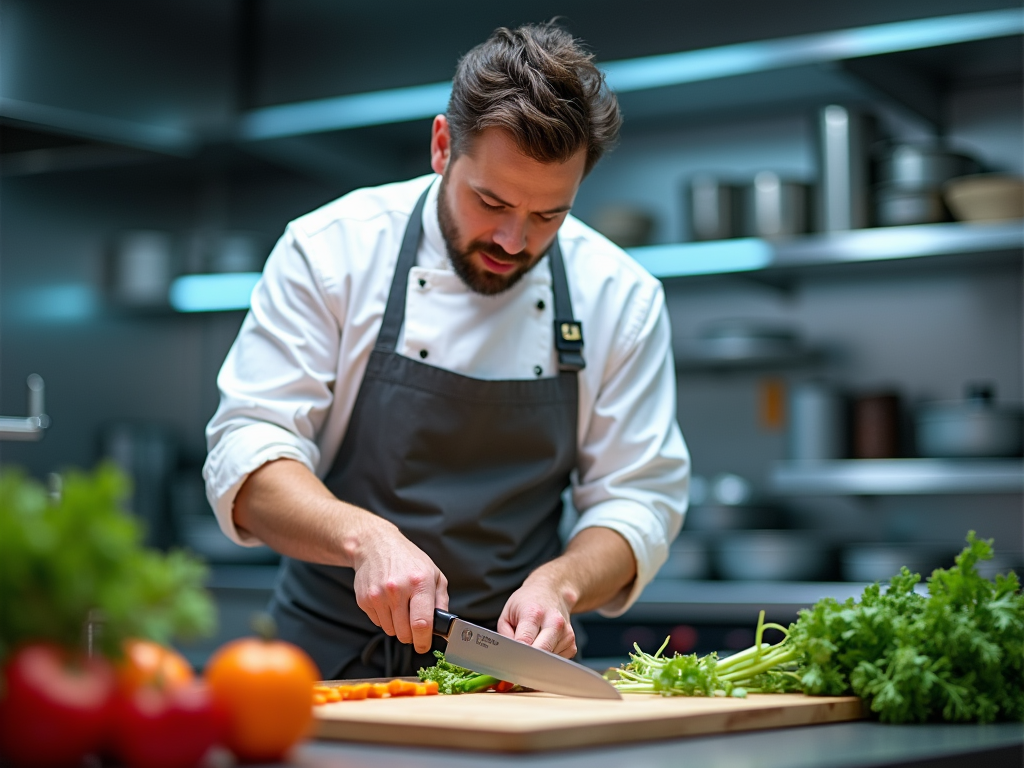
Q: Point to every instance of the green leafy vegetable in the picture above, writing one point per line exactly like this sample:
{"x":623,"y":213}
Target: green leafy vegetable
{"x":63,"y":561}
{"x":451,"y":678}
{"x":955,"y":654}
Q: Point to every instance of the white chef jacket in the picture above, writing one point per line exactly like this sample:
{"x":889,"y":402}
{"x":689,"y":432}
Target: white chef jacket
{"x":291,"y":378}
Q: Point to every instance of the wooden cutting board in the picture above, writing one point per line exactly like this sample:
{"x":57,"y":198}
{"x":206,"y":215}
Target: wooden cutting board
{"x":529,"y":722}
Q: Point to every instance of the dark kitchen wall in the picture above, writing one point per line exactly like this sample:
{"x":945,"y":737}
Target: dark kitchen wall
{"x":83,"y":170}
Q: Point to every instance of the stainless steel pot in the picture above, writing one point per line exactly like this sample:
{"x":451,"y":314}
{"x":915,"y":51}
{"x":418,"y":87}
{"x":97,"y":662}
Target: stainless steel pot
{"x":896,"y":206}
{"x":920,"y":167}
{"x":714,"y":207}
{"x":776,"y":207}
{"x":973,"y":427}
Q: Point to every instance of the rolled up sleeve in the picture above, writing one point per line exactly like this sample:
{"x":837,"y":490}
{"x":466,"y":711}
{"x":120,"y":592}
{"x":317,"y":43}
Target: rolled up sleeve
{"x":277,"y":380}
{"x":634,"y":467}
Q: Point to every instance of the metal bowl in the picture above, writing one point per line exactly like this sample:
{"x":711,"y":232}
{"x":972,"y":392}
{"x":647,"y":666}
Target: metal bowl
{"x":771,"y":556}
{"x":880,"y":562}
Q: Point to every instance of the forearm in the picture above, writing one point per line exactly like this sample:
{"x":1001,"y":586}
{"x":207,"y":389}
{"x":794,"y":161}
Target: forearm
{"x":596,"y":565}
{"x":287,"y":507}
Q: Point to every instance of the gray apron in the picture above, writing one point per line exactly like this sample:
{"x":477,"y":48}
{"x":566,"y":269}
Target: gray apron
{"x":471,"y":471}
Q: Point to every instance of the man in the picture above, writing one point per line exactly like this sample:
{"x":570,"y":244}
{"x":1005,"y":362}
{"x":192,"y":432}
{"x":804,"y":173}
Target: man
{"x":411,"y":392}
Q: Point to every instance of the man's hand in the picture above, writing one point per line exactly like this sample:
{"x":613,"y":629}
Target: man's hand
{"x":596,"y":566}
{"x":398,"y":586}
{"x":284,"y":505}
{"x":538,"y":614}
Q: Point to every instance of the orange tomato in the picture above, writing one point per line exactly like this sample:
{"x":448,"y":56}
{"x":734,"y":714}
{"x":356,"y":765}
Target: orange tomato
{"x":149,"y":663}
{"x":265,"y":687}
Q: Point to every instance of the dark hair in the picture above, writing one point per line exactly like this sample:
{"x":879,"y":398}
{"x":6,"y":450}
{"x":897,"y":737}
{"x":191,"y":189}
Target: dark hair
{"x":537,"y":83}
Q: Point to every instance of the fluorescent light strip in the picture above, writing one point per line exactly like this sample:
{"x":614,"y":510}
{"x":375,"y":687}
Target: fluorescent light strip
{"x":213,"y":293}
{"x":423,"y":101}
{"x":716,"y":257}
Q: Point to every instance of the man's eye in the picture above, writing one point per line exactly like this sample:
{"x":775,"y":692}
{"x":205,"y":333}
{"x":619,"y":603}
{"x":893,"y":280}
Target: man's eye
{"x":490,"y":207}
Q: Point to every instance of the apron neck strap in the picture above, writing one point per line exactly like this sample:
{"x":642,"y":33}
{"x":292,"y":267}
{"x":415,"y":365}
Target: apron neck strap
{"x":394,"y":312}
{"x":568,"y":331}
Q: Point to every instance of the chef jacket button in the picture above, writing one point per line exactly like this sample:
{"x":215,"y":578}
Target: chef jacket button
{"x":423,"y":283}
{"x":540,"y":304}
{"x":423,"y":354}
{"x":538,"y":370}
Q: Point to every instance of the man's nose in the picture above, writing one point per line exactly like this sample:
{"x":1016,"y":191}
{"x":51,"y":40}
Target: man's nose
{"x":511,"y":235}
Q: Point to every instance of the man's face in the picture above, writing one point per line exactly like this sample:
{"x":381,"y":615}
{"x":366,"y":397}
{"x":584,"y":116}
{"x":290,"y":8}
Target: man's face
{"x":499,"y":210}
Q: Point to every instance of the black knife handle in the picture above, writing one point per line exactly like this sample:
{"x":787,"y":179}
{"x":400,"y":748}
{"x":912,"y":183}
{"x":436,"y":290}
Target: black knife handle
{"x":443,"y":622}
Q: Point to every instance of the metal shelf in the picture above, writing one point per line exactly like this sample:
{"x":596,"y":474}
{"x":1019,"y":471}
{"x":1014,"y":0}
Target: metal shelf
{"x":865,"y":477}
{"x":879,"y":244}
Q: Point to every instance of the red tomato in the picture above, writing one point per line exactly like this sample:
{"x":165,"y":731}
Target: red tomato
{"x":266,"y":689}
{"x":55,"y":706}
{"x":169,"y":728}
{"x":149,"y":663}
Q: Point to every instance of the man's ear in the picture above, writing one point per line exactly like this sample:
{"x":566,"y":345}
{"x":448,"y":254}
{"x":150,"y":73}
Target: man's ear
{"x":440,"y":144}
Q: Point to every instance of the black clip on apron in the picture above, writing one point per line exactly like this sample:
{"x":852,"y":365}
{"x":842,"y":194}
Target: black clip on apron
{"x":470,"y":470}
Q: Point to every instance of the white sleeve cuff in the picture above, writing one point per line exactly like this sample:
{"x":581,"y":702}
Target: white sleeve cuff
{"x":644,"y":533}
{"x":238,"y":454}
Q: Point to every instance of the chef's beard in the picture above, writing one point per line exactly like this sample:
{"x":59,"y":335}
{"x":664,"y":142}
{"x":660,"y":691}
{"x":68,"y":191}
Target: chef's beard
{"x":478,"y":279}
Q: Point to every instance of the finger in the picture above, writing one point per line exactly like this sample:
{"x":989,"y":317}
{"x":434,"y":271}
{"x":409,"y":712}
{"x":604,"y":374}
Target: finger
{"x":441,"y":592}
{"x":505,"y":624}
{"x":527,"y":628}
{"x":366,"y":605}
{"x":398,"y":604}
{"x":383,"y":610}
{"x":566,"y":646}
{"x":421,"y":619}
{"x":553,"y":631}
{"x":547,"y":639}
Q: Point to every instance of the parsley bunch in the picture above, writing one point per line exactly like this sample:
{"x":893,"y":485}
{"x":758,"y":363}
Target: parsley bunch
{"x":65,"y":560}
{"x":955,"y":654}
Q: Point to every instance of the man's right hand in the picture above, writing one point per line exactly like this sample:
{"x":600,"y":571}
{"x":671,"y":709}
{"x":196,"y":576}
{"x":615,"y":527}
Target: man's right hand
{"x":286,"y":506}
{"x":397,"y":584}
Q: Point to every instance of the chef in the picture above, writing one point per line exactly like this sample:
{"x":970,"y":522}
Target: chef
{"x":428,"y":365}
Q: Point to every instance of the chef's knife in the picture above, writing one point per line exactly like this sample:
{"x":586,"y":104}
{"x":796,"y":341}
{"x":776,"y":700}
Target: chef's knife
{"x":489,"y":653}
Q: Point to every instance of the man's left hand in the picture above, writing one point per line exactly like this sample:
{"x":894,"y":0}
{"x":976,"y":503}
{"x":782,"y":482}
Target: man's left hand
{"x":538,"y":614}
{"x":595,"y":567}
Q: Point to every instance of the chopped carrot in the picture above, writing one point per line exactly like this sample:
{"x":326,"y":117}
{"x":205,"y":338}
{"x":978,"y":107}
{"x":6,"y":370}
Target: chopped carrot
{"x":333,"y":695}
{"x":321,"y":688}
{"x":377,"y":691}
{"x":430,"y":688}
{"x":401,"y":688}
{"x":360,"y":691}
{"x":504,"y":686}
{"x":319,"y":698}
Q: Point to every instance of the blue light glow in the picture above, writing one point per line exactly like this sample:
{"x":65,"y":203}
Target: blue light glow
{"x":379,"y":107}
{"x":56,"y":303}
{"x":744,"y":58}
{"x":719,"y":256}
{"x":424,"y":101}
{"x":213,"y":293}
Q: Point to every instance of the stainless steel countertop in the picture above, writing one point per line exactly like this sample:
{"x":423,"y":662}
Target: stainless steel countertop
{"x":843,"y":745}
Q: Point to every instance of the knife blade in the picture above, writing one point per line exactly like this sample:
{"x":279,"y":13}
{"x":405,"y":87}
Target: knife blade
{"x":488,"y":653}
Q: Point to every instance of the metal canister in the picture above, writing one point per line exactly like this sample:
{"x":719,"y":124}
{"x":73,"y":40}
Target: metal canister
{"x":714,"y":208}
{"x":817,"y":422}
{"x":845,"y":137}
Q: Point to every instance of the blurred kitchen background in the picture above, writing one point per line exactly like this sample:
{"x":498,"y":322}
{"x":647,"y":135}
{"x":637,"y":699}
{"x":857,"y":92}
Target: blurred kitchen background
{"x":831,"y":193}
